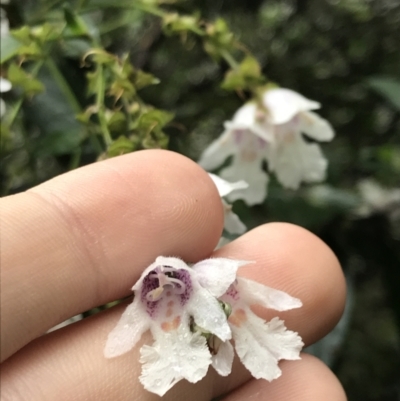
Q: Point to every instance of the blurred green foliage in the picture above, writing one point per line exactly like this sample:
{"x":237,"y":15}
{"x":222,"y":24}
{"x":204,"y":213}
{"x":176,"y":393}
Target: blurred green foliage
{"x":102,"y":78}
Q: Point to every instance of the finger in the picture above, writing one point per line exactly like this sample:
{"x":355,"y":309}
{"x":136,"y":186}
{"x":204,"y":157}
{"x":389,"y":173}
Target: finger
{"x":76,"y":352}
{"x":292,"y":259}
{"x":306,"y":380}
{"x":82,"y":239}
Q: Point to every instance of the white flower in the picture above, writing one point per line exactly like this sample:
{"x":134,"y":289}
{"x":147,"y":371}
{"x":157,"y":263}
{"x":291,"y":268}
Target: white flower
{"x":232,"y":223}
{"x":271,"y":131}
{"x":5,"y":86}
{"x":260,"y":345}
{"x":376,"y":198}
{"x":171,"y":299}
{"x":248,"y":149}
{"x":4,"y":24}
{"x":291,"y":158}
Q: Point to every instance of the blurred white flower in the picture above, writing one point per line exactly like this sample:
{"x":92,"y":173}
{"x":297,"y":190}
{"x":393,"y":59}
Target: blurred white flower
{"x":248,"y":150}
{"x":170,"y":299}
{"x":4,"y":24}
{"x":260,"y":345}
{"x":271,"y":131}
{"x":232,"y":223}
{"x":5,"y":86}
{"x":291,"y":158}
{"x":376,"y":198}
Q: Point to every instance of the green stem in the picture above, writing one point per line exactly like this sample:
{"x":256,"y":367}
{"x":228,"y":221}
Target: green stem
{"x":100,"y":105}
{"x":230,"y":60}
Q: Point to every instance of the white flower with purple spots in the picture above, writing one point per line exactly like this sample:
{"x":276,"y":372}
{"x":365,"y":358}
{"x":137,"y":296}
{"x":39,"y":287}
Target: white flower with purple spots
{"x":232,"y":223}
{"x":260,"y":345}
{"x":178,"y":304}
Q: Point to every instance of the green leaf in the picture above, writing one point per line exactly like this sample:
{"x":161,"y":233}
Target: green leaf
{"x":247,"y":76}
{"x":155,"y":119}
{"x":121,"y":146}
{"x":75,"y":24}
{"x":175,"y":23}
{"x":53,"y":118}
{"x":143,"y":79}
{"x":9,"y":47}
{"x":388,"y":87}
{"x":19,"y":77}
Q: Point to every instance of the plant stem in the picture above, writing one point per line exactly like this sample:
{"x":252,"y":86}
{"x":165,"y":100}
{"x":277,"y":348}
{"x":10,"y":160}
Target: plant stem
{"x":230,"y":60}
{"x":100,"y":105}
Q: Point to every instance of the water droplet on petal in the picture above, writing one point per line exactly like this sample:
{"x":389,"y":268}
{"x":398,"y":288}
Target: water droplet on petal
{"x":157,"y":382}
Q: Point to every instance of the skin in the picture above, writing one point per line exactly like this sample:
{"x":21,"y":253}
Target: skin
{"x":83,"y":239}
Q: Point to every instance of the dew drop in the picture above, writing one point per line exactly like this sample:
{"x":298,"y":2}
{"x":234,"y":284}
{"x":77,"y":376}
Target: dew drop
{"x":157,"y":382}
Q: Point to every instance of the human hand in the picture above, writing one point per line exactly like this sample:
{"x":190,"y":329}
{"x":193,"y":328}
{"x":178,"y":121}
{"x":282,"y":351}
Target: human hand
{"x":83,"y":239}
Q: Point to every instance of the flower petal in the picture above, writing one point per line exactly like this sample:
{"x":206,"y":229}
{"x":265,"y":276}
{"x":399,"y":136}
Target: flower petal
{"x":315,"y":126}
{"x":217,"y":274}
{"x":295,"y":161}
{"x":283,"y":104}
{"x":2,"y":108}
{"x":207,"y":313}
{"x":5,"y":85}
{"x":216,"y":153}
{"x":174,"y":356}
{"x":224,"y":187}
{"x":223,"y":359}
{"x":261,"y":345}
{"x":252,"y":173}
{"x":256,"y":293}
{"x":161,"y":261}
{"x":245,"y":119}
{"x":132,"y":324}
{"x":232,"y":223}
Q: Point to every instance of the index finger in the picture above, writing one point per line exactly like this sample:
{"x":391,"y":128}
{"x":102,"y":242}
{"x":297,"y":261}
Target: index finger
{"x":81,"y":239}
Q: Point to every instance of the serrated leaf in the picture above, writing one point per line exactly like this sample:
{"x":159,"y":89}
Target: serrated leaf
{"x":388,"y":87}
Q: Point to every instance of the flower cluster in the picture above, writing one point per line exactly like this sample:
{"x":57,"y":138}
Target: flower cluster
{"x":193,"y":313}
{"x":271,"y":131}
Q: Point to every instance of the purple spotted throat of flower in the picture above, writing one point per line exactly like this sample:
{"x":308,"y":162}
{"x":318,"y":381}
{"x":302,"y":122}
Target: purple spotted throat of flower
{"x":193,"y":312}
